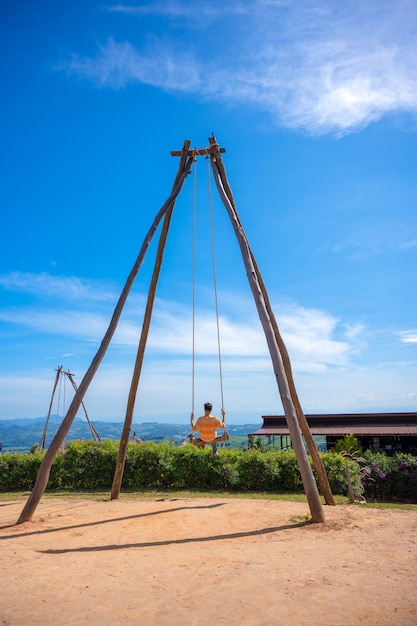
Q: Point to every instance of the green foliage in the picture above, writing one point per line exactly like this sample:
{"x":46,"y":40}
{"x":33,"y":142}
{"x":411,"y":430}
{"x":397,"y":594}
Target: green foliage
{"x":148,"y":465}
{"x":257,"y":443}
{"x":335,"y":466}
{"x":18,"y":471}
{"x":257,"y":471}
{"x":290,"y":477}
{"x":195,"y":468}
{"x":391,"y":477}
{"x":88,"y":465}
{"x":349,"y":444}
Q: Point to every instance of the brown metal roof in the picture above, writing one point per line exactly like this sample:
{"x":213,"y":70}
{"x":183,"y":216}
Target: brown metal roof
{"x":362,"y":424}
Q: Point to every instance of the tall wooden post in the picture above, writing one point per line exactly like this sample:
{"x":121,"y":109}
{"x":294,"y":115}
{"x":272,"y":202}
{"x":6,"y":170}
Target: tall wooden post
{"x":45,"y":468}
{"x":305,"y":429}
{"x":309,"y":483}
{"x":124,"y":440}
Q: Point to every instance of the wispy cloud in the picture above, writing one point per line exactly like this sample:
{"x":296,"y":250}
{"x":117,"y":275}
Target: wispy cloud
{"x":63,"y":287}
{"x":195,"y":12}
{"x":315,"y":339}
{"x":157,"y":64}
{"x":84,"y":325}
{"x":408,"y":336}
{"x":312,"y":65}
{"x":388,"y":234}
{"x":412,"y":243}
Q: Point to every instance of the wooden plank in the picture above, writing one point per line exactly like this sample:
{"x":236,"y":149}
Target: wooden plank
{"x":197,"y":152}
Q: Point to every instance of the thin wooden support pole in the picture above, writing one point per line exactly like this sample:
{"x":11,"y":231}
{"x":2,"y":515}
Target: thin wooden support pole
{"x":349,"y":484}
{"x":45,"y":468}
{"x":305,"y":429}
{"x":43,"y":439}
{"x":93,"y":431}
{"x":124,"y":440}
{"x":309,"y":483}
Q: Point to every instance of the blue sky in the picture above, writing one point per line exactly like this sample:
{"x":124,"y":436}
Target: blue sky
{"x":315,"y":103}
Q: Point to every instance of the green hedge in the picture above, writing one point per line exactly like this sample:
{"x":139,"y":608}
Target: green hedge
{"x":88,"y":465}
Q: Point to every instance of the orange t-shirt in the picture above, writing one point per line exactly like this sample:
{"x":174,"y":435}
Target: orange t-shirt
{"x":206,"y":426}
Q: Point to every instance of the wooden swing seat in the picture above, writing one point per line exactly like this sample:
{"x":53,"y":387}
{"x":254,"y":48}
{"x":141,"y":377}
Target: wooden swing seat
{"x":196,"y":441}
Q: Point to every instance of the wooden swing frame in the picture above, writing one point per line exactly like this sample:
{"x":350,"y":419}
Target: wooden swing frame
{"x":61,"y":372}
{"x":294,"y":415}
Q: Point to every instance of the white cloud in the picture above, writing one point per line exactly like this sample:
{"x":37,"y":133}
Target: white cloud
{"x":173,"y":333}
{"x":197,"y":13}
{"x":315,"y":339}
{"x":250,"y":391}
{"x":310,"y":338}
{"x":64,"y":287}
{"x":322,"y":350}
{"x":158,"y":65}
{"x":409,"y":244}
{"x":84,"y":325}
{"x":313,"y":65}
{"x":354,"y":330}
{"x":408,"y":336}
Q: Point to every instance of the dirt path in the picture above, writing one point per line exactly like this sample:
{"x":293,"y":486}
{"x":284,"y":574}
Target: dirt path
{"x":198,"y":561}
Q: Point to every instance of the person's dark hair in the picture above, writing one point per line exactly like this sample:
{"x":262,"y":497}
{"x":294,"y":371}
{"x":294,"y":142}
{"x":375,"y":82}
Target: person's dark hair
{"x":208,"y":406}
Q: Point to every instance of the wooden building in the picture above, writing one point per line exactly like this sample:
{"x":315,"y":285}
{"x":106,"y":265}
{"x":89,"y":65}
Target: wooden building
{"x":389,"y":432}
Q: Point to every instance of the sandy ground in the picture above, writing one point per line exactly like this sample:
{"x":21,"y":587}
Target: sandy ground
{"x":198,"y":561}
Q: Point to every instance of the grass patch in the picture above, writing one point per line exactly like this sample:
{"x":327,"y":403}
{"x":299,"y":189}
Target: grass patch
{"x":388,"y":505}
{"x":301,"y":519}
{"x":178,"y":493}
{"x":163,"y":493}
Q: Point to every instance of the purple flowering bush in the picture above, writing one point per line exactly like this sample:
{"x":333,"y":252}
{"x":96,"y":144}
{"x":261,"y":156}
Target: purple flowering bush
{"x":391,"y":477}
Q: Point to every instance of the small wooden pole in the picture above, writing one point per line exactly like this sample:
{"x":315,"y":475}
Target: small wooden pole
{"x":93,"y":431}
{"x":349,"y":484}
{"x":309,"y":483}
{"x":124,"y":440}
{"x":45,"y":468}
{"x":43,"y":439}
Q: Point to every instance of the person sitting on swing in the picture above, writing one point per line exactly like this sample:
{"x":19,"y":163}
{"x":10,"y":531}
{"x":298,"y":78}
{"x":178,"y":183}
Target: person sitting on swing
{"x":206,"y":427}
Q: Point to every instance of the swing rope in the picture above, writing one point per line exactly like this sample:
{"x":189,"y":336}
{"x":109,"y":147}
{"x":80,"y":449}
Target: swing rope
{"x":194,"y":254}
{"x":213,"y":254}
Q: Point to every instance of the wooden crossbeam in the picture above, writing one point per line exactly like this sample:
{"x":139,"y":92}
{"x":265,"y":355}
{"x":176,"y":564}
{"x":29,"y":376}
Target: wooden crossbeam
{"x":197,"y":151}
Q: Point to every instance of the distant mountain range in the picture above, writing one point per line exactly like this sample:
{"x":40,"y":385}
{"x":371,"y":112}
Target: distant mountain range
{"x":19,"y":435}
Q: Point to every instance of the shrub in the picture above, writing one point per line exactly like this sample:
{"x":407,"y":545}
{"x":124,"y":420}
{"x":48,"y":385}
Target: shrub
{"x":256,"y":471}
{"x":349,"y":444}
{"x":392,"y":477}
{"x":335,"y":466}
{"x":290,"y":477}
{"x":196,"y":468}
{"x":18,"y":471}
{"x":90,"y":465}
{"x":148,"y":465}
